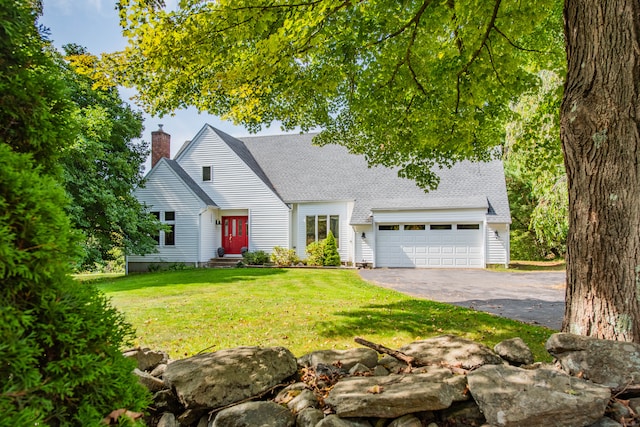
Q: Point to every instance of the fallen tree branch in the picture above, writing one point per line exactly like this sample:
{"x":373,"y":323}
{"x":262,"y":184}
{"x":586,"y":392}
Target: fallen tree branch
{"x":385,"y":350}
{"x":411,"y":361}
{"x":627,"y":389}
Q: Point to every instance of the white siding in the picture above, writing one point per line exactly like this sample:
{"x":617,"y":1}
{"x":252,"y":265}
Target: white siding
{"x":435,"y":215}
{"x":236,"y":187}
{"x":342,"y":209}
{"x":364,"y":247}
{"x":208,"y":239}
{"x":498,"y":244}
{"x":163,"y":192}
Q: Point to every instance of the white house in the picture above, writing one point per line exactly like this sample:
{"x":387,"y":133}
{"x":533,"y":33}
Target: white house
{"x":261,"y":192}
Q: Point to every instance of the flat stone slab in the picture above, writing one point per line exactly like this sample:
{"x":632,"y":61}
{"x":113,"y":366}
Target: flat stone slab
{"x":214,"y":380}
{"x":452,"y":350}
{"x":258,"y":414}
{"x":612,"y":363}
{"x":512,"y":397}
{"x":344,"y":359}
{"x":396,"y":395}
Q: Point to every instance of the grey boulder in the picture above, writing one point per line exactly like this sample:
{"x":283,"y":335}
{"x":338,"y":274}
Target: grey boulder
{"x":451,"y":350}
{"x":614,"y":364}
{"x":255,"y":414}
{"x":511,"y":397}
{"x":214,"y":380}
{"x":393,"y":396}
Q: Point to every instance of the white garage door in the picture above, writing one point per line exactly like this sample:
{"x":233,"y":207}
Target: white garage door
{"x":429,"y":245}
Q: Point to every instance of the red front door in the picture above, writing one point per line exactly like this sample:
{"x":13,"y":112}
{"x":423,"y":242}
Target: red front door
{"x":235,"y":234}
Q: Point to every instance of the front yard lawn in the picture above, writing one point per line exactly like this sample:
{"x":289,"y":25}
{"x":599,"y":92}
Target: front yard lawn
{"x":186,"y":312}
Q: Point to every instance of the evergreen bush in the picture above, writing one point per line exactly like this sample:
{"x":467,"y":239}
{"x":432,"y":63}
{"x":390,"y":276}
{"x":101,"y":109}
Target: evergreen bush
{"x":60,"y":356}
{"x":331,"y":255}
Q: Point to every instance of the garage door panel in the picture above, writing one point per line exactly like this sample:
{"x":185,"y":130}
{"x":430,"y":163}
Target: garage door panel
{"x":430,"y":247}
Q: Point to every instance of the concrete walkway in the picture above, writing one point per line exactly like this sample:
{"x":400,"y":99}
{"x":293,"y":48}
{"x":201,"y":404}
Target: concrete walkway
{"x":532,"y":297}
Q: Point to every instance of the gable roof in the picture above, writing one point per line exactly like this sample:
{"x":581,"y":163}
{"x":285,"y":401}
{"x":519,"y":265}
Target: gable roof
{"x":189,"y":182}
{"x":239,"y":148}
{"x":302,"y":172}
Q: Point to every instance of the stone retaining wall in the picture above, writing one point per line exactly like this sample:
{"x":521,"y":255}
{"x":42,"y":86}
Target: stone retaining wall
{"x":451,"y":381}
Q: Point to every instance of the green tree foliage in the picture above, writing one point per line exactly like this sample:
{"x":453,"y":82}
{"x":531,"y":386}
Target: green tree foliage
{"x":60,"y":360}
{"x":331,"y":255}
{"x":102,"y":167}
{"x":405,"y":83}
{"x":536,"y":178}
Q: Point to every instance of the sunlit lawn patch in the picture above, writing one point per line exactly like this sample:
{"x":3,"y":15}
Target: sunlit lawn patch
{"x":185,"y":312}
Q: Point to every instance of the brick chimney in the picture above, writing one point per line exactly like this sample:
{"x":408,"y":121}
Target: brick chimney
{"x":160,"y":145}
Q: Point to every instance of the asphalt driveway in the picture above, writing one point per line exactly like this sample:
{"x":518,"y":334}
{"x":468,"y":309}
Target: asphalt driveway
{"x":532,"y":297}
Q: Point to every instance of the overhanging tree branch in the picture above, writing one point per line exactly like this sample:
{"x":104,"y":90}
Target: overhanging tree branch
{"x":477,"y":52}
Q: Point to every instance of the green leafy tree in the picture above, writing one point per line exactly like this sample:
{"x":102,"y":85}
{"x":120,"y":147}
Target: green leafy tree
{"x":60,"y":360}
{"x":102,"y":167}
{"x":536,"y":178}
{"x":415,"y":83}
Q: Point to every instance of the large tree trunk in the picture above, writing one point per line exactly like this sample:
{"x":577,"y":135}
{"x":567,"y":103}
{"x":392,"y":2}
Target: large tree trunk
{"x":600,"y":120}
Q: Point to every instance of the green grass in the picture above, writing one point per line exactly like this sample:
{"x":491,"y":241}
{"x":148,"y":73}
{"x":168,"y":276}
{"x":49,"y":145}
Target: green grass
{"x":185,"y":312}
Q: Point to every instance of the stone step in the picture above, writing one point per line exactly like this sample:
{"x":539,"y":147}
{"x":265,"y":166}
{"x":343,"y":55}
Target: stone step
{"x":223,"y":262}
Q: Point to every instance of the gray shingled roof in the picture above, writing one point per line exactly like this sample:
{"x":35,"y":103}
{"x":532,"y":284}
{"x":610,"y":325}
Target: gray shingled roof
{"x":300,"y":172}
{"x":189,"y":182}
{"x":245,"y":155}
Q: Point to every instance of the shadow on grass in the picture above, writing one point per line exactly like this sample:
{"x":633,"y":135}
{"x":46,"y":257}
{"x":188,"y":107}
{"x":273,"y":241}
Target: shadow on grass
{"x":421,"y":318}
{"x":185,"y":277}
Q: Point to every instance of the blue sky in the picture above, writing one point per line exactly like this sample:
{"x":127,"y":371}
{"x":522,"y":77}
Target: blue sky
{"x":94,"y":25}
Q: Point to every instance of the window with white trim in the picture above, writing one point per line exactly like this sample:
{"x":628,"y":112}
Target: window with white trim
{"x":206,"y":173}
{"x":317,"y":227}
{"x":156,"y":236}
{"x":389,"y":227}
{"x":167,"y":237}
{"x":468,"y":227}
{"x":170,"y":235}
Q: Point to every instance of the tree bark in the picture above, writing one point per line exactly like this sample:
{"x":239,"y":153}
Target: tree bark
{"x":600,"y":127}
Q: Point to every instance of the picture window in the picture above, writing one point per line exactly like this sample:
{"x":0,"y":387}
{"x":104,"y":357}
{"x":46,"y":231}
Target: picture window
{"x":318,"y":227}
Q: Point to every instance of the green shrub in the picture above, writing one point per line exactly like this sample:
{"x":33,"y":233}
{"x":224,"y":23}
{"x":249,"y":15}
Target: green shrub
{"x":331,"y":255}
{"x":283,"y":257}
{"x":256,"y":258}
{"x":60,"y":355}
{"x":324,"y":252}
{"x":315,"y":252}
{"x":525,"y":247}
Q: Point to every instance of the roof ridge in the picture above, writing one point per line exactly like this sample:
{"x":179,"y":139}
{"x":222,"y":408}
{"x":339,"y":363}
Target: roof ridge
{"x":189,"y":182}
